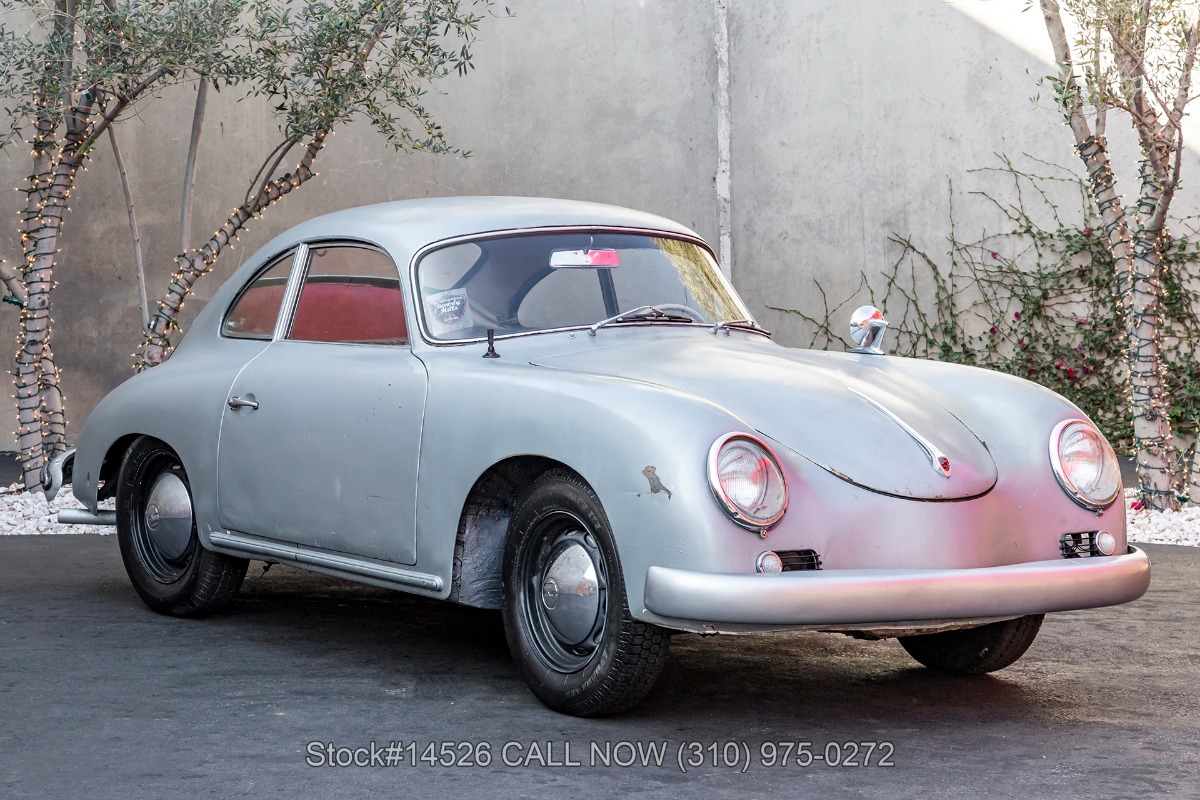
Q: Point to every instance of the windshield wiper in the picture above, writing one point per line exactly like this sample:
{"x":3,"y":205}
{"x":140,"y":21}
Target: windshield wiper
{"x":737,"y":323}
{"x":659,"y":312}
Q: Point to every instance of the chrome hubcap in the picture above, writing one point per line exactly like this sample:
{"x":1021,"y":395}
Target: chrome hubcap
{"x":571,"y":593}
{"x":169,"y":516}
{"x":565,"y":597}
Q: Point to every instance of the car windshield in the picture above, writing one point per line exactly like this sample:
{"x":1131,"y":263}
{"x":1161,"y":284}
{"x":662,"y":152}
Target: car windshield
{"x":546,"y":281}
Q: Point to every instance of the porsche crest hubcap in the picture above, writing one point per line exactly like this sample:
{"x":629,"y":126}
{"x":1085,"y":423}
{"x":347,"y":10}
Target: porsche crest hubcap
{"x":571,"y":593}
{"x":565,"y":597}
{"x":169,"y":515}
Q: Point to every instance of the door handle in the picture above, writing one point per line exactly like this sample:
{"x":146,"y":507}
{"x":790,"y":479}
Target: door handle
{"x":235,"y":403}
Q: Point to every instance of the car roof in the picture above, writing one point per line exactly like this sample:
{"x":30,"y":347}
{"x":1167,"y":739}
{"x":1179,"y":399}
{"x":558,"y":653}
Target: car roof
{"x":403,"y":227}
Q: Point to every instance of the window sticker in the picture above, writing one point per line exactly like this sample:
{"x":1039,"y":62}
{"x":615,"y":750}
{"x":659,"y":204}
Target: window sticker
{"x":448,"y":311}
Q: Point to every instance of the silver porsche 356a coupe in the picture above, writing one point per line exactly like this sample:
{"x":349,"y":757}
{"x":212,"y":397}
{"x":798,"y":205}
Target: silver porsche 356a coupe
{"x":563,"y":410}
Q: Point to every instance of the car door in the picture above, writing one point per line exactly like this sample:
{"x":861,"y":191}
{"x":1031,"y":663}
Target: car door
{"x":321,"y":434}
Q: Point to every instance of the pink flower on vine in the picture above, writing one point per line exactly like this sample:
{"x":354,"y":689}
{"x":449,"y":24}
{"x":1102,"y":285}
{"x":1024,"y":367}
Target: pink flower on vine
{"x":1058,"y":365}
{"x":1087,"y":231}
{"x":995,"y":254}
{"x":1070,"y":374}
{"x":1136,"y":505}
{"x":1087,"y":369}
{"x":992,"y":330}
{"x":1081,"y":321}
{"x":1016,"y":315}
{"x":1078,"y":348}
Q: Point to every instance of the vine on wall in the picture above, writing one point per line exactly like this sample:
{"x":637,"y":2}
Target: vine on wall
{"x":1037,"y":300}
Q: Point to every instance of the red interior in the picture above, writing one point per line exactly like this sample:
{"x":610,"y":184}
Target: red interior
{"x":256,"y":311}
{"x":350,"y":312}
{"x":328,"y":312}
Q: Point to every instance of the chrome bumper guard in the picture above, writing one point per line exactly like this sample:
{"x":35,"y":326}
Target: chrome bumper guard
{"x":856,"y":596}
{"x":57,"y":473}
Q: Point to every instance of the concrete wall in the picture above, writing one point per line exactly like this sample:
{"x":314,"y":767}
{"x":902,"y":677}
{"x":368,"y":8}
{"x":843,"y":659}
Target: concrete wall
{"x":848,"y":121}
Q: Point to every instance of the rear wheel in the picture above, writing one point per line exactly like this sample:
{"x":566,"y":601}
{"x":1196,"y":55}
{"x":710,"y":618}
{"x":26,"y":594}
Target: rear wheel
{"x":565,"y":613}
{"x":156,"y":529}
{"x":975,"y":651}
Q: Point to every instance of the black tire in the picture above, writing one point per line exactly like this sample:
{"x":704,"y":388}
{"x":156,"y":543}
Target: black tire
{"x":588,"y":671}
{"x":975,"y":651}
{"x":180,"y":578}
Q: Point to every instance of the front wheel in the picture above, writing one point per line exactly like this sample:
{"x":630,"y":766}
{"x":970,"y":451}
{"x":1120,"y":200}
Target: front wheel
{"x":975,"y":651}
{"x":565,"y":613}
{"x":156,"y":529}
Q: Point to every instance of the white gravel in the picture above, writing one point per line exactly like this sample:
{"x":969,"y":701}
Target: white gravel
{"x":26,"y":514}
{"x":1162,"y":527}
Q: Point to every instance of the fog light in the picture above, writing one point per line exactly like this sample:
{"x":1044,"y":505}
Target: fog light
{"x":769,"y":562}
{"x":1106,"y":543}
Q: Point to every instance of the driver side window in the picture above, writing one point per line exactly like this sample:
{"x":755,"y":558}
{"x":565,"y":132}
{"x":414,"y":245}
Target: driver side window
{"x":351,"y":294}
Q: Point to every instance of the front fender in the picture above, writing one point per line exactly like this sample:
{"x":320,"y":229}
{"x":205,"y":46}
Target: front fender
{"x":608,"y":430}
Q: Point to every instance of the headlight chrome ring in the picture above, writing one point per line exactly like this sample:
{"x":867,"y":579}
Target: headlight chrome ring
{"x":747,"y":481}
{"x":1070,"y":443}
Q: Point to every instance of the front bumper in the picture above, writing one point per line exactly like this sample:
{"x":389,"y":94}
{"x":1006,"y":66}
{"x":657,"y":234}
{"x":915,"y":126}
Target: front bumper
{"x":840,"y":597}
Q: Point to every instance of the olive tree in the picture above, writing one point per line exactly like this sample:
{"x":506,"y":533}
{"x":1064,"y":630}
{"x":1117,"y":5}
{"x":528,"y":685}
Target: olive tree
{"x":69,"y":71}
{"x":1136,"y":57}
{"x":321,"y":65}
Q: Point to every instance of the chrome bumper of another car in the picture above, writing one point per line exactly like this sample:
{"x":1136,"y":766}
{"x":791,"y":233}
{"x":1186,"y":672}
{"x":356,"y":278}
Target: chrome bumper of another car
{"x":57,"y":473}
{"x":857,"y":596}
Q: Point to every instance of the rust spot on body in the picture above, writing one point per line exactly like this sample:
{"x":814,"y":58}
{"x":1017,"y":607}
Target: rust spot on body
{"x":656,"y":485}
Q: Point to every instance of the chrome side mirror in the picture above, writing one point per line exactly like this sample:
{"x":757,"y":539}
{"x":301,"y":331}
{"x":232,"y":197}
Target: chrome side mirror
{"x":867,"y":327}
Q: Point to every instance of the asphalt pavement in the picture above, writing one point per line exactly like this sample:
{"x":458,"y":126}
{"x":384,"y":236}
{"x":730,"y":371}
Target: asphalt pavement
{"x":102,"y":698}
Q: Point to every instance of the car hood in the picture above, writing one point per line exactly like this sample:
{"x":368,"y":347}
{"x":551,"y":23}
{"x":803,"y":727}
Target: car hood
{"x":858,"y":417}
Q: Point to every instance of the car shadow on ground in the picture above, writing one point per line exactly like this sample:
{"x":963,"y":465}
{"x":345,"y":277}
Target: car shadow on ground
{"x":434,"y":647}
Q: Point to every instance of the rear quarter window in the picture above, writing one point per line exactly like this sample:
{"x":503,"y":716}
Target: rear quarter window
{"x":255,"y":311}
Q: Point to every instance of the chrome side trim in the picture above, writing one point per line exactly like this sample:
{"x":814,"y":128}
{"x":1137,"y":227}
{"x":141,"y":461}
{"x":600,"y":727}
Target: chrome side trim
{"x":287,"y":308}
{"x":81,"y":516}
{"x":938,"y":459}
{"x":306,"y":557}
{"x":842,"y":597}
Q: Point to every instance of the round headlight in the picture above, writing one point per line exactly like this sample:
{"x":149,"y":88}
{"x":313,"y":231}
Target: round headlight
{"x":747,"y":481}
{"x":1085,"y":464}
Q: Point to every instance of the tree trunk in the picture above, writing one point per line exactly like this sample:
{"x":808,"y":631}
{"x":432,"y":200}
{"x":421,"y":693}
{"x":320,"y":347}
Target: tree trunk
{"x":39,"y":402}
{"x":1157,"y":466}
{"x":191,"y":168}
{"x":192,"y":266}
{"x":139,"y":266}
{"x":1138,"y":266}
{"x":12,"y":283}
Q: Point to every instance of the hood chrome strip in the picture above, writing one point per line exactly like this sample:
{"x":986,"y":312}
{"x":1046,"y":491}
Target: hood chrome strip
{"x":938,"y":459}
